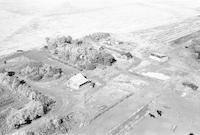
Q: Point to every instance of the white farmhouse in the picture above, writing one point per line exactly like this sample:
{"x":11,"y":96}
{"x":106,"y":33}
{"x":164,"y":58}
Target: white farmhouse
{"x":76,"y":81}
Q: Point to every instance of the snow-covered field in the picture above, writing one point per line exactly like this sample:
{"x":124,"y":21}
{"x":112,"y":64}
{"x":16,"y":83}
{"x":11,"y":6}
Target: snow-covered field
{"x":24,"y":24}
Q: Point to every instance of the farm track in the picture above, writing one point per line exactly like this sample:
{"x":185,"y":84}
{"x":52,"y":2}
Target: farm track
{"x":61,"y":61}
{"x":130,"y":122}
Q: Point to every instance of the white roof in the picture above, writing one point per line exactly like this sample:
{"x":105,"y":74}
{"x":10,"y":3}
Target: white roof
{"x":79,"y":79}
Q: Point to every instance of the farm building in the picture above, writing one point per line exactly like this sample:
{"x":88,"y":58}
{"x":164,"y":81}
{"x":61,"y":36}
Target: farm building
{"x":159,"y":57}
{"x":76,"y":81}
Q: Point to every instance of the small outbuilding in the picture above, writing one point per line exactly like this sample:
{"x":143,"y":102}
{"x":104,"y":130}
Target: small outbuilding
{"x":76,"y":81}
{"x":159,"y":57}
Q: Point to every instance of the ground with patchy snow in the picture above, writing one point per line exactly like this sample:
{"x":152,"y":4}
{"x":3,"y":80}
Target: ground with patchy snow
{"x":153,"y":86}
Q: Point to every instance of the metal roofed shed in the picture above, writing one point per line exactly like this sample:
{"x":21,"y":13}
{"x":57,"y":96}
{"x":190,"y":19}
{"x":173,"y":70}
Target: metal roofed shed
{"x":76,"y":81}
{"x":159,"y":57}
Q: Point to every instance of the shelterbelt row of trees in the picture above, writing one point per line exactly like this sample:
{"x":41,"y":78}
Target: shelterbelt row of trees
{"x":80,"y":52}
{"x":39,"y":104}
{"x":36,"y":71}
